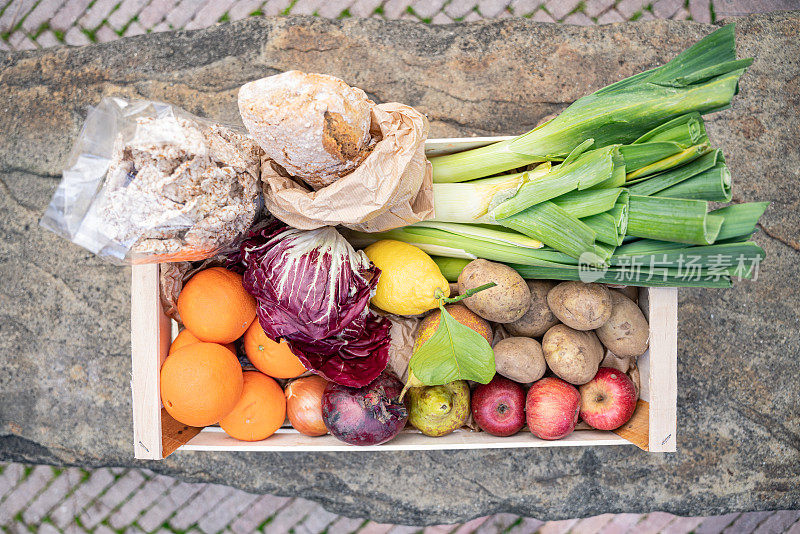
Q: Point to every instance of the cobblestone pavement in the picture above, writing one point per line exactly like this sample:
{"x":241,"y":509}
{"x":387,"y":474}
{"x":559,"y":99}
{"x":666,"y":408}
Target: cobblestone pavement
{"x":48,"y":500}
{"x":28,"y":24}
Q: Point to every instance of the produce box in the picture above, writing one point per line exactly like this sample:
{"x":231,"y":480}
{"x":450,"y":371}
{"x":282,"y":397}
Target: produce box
{"x":157,"y":434}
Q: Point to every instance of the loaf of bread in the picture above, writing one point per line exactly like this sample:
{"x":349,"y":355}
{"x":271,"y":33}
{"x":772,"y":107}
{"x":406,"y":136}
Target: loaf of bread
{"x":313,"y":125}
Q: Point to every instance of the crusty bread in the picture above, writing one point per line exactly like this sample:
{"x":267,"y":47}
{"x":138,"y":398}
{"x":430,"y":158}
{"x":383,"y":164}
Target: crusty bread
{"x":314,"y":125}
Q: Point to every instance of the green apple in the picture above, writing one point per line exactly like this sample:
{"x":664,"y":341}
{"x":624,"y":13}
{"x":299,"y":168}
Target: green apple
{"x":438,"y":410}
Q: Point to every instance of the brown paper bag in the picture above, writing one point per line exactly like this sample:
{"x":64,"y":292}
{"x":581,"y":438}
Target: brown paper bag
{"x":392,"y":187}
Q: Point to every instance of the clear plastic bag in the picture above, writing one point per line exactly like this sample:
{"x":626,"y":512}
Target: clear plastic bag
{"x":148,"y":182}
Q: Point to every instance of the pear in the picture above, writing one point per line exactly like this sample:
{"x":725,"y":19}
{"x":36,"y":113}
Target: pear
{"x":438,"y":410}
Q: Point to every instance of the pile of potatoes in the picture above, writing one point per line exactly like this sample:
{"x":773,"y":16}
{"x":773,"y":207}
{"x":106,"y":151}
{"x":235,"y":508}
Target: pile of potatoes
{"x":582,"y":326}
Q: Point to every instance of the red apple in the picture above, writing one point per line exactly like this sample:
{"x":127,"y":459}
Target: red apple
{"x":608,"y":400}
{"x":552,"y":408}
{"x":499,"y":406}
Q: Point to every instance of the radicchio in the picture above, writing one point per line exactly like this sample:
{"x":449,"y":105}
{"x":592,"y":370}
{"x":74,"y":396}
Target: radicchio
{"x":313,"y":290}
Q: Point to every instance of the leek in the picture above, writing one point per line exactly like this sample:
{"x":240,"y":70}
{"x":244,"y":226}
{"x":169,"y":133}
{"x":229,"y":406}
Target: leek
{"x":703,"y":79}
{"x":740,"y":219}
{"x":470,"y":202}
{"x":681,"y":158}
{"x":645,"y":278}
{"x":590,"y":202}
{"x":450,"y":267}
{"x":713,"y":184}
{"x":672,"y":219}
{"x":586,"y":170}
{"x":666,"y":140}
{"x":553,"y":226}
{"x":650,"y":185}
{"x":611,"y":226}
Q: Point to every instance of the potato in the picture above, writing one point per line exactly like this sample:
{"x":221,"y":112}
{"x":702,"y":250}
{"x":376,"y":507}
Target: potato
{"x":519,"y":359}
{"x":626,"y":333}
{"x":632,"y":292}
{"x":580,"y":306}
{"x":539,"y":318}
{"x":573,"y":355}
{"x":504,"y":303}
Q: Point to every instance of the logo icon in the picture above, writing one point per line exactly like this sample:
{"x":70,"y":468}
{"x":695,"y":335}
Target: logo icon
{"x":591,"y":267}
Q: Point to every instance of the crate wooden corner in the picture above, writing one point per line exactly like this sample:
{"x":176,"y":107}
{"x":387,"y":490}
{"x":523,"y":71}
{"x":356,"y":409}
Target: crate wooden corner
{"x":156,"y":434}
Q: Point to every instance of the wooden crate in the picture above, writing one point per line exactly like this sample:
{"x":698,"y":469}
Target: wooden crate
{"x":156,"y":434}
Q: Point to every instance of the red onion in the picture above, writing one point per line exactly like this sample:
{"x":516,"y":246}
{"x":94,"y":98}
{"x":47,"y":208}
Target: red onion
{"x":369,"y":415}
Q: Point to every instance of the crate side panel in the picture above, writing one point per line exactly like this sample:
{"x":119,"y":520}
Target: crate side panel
{"x":662,"y":377}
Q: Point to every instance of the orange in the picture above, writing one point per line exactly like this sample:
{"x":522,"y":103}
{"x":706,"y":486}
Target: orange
{"x":260,"y":411}
{"x":200,"y":383}
{"x":215,"y":307}
{"x":185,"y":337}
{"x":273,"y":359}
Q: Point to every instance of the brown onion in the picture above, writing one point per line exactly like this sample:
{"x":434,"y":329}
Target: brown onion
{"x":304,"y":405}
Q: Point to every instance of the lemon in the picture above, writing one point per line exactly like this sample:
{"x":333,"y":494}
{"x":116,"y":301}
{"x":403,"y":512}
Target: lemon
{"x":409,"y":278}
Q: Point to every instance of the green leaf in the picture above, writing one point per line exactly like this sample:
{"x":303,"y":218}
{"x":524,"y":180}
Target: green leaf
{"x":454,"y":352}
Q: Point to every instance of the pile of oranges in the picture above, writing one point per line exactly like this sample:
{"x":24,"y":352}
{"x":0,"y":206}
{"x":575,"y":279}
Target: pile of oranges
{"x":202,"y":382}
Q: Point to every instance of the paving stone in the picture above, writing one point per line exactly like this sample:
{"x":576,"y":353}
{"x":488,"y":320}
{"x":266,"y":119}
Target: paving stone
{"x":266,"y":506}
{"x":459,"y":8}
{"x":375,"y":528}
{"x":557,"y":527}
{"x":364,"y":8}
{"x":700,"y":10}
{"x":492,"y":8}
{"x":621,"y":523}
{"x":747,"y":522}
{"x":4,"y":45}
{"x":209,"y":14}
{"x":470,"y":526}
{"x":71,"y":507}
{"x":315,"y":522}
{"x":664,"y":9}
{"x":10,"y":478}
{"x":75,"y":37}
{"x":528,"y":525}
{"x":119,"y":492}
{"x":595,"y":8}
{"x":496,"y":524}
{"x":102,"y":529}
{"x":561,"y":8}
{"x":627,"y":8}
{"x":472,"y":16}
{"x":778,"y":522}
{"x":14,"y":13}
{"x":794,"y":529}
{"x":140,"y":501}
{"x":154,"y":12}
{"x":306,"y":7}
{"x":291,"y":515}
{"x":593,"y":524}
{"x":716,"y":524}
{"x":46,"y":39}
{"x":653,"y":523}
{"x":275,"y":7}
{"x":105,"y":34}
{"x":646,"y":15}
{"x":55,"y":493}
{"x":27,"y":490}
{"x":206,"y":499}
{"x":16,"y":38}
{"x":134,"y":28}
{"x":579,"y":19}
{"x":68,"y":14}
{"x":332,"y":9}
{"x":610,"y":16}
{"x":682,"y":14}
{"x":242,"y":8}
{"x":221,"y":516}
{"x":97,"y":13}
{"x":427,"y":8}
{"x":403,"y":529}
{"x":41,"y":14}
{"x":173,"y":500}
{"x":47,"y":528}
{"x":127,"y":10}
{"x":344,"y":525}
{"x":543,"y":16}
{"x":441,"y":18}
{"x":161,"y":27}
{"x":183,"y":12}
{"x":525,"y":7}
